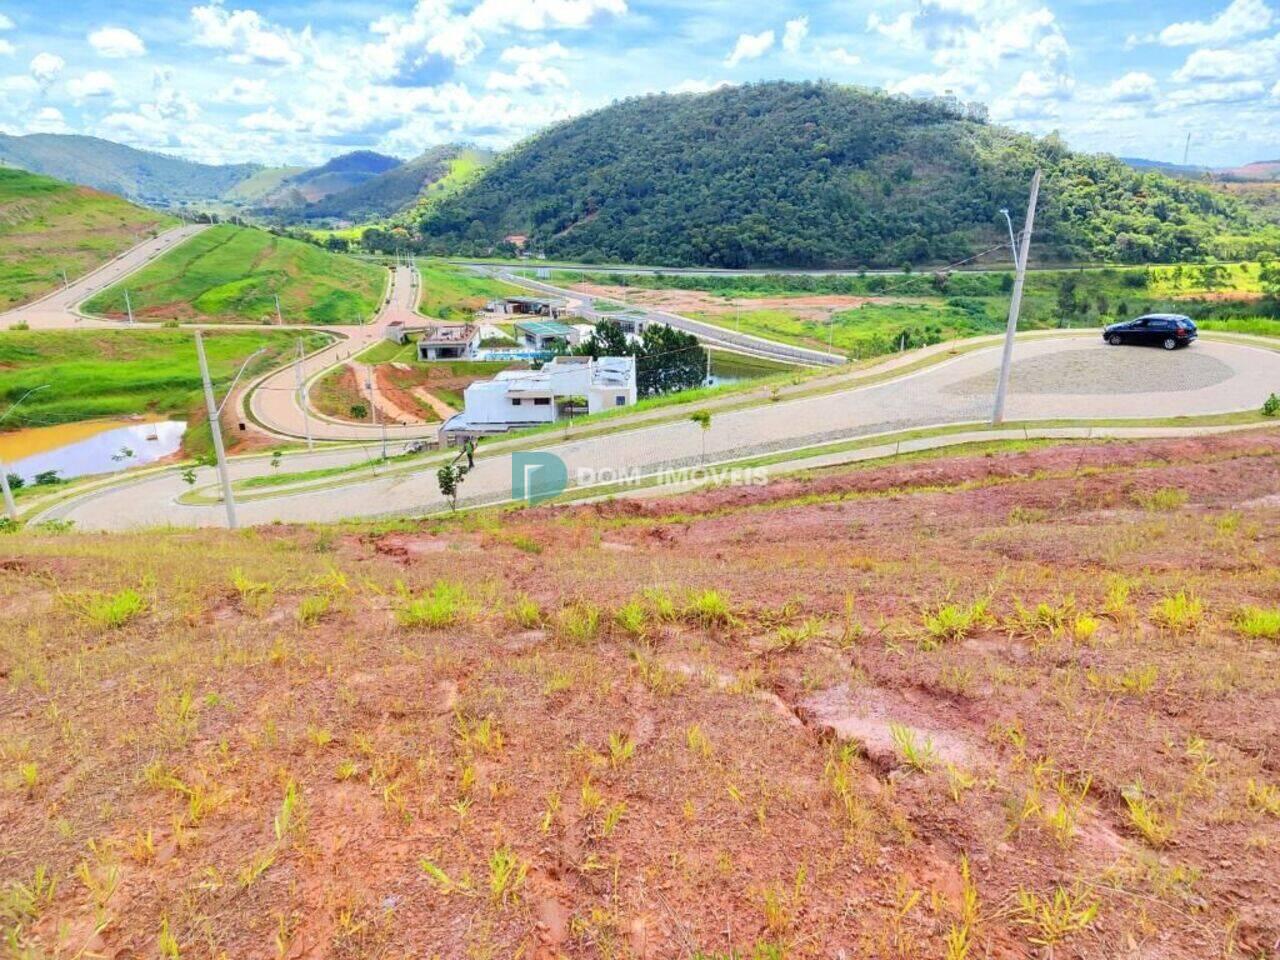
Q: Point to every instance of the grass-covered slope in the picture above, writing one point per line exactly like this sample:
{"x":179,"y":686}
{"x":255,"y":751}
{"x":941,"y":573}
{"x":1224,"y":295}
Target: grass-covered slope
{"x":234,"y":273}
{"x":800,"y":174}
{"x":100,"y":373}
{"x":137,"y":174}
{"x":47,"y":226}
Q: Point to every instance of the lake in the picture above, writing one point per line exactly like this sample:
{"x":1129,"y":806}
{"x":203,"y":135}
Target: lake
{"x":96,"y":446}
{"x":728,"y":368}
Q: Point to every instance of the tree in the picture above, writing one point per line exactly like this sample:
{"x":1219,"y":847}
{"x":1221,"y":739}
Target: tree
{"x":47,"y":478}
{"x":666,"y":359}
{"x":359,"y":411}
{"x":15,"y":481}
{"x":703,"y":419}
{"x":449,"y":478}
{"x":1269,"y":276}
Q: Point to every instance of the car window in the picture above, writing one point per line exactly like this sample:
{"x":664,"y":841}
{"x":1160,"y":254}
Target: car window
{"x":1141,"y":322}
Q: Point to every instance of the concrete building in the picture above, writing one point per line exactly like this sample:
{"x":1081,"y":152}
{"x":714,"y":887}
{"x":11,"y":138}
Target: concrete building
{"x":547,"y":335}
{"x":524,"y":398}
{"x":449,"y":341}
{"x":550,"y":308}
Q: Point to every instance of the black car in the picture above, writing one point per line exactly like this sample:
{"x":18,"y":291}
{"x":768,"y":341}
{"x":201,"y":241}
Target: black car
{"x":1168,"y":330}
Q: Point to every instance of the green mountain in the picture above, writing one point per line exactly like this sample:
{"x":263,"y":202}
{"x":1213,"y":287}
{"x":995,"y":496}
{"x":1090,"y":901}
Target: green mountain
{"x":346,"y":172}
{"x":439,"y":172}
{"x":47,"y":226}
{"x":816,"y":175}
{"x":139,"y":175}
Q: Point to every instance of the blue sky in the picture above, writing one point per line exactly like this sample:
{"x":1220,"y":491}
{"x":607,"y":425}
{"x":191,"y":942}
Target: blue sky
{"x":299,"y":82}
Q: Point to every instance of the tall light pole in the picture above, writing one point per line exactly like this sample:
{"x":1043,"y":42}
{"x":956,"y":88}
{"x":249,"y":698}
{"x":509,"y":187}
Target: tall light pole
{"x":10,"y":507}
{"x":1015,"y":302}
{"x":128,"y":305}
{"x":279,"y":318}
{"x":215,"y":425}
{"x":302,"y":395}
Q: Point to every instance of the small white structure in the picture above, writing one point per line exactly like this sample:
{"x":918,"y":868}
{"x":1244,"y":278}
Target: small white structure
{"x":449,"y":341}
{"x":523,"y":398}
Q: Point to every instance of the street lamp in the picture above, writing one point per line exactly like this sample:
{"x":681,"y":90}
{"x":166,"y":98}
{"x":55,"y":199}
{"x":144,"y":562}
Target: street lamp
{"x":215,"y":424}
{"x":1013,"y":244}
{"x":10,"y":507}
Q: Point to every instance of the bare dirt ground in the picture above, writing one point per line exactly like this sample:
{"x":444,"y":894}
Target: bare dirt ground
{"x":697,"y":301}
{"x":1012,"y":704}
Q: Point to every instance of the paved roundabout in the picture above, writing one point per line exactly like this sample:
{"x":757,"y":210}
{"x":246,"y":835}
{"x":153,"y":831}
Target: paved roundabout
{"x":1068,"y":377}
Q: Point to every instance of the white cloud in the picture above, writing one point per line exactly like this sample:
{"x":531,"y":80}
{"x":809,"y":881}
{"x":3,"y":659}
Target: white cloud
{"x":842,"y":57}
{"x":48,"y":120}
{"x":1042,"y":86}
{"x":901,"y":29}
{"x":45,"y":68}
{"x":1209,"y":93}
{"x":548,"y":51}
{"x":5,"y":22}
{"x":793,"y":34}
{"x":168,"y":102}
{"x":1240,"y":19}
{"x":1275,"y":91}
{"x":750,"y":47}
{"x":1134,"y":87}
{"x":541,"y":14}
{"x":7,"y":49}
{"x":95,"y":83}
{"x":244,"y":92}
{"x":117,"y":43}
{"x":529,"y":75}
{"x":937,"y":84}
{"x":698,"y":86}
{"x":246,"y":36}
{"x":1242,"y":62}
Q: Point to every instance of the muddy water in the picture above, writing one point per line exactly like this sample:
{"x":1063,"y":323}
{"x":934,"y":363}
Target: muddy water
{"x":80,"y":449}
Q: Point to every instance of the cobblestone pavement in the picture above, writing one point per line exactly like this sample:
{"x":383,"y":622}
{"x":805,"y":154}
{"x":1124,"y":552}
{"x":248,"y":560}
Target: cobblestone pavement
{"x":1044,"y":386}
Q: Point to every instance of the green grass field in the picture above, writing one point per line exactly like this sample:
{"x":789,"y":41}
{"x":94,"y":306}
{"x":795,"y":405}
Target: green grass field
{"x":47,"y":226}
{"x":452,"y":293}
{"x":234,"y":273}
{"x":105,"y":373}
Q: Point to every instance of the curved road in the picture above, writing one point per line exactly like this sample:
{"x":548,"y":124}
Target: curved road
{"x":59,"y":309}
{"x":273,"y":400}
{"x":1053,"y":377}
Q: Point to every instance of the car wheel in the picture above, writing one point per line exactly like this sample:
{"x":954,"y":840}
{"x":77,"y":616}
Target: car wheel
{"x":1115,"y":340}
{"x":1169,"y":343}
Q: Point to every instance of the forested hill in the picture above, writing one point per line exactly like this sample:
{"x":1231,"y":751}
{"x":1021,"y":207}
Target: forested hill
{"x":815,"y":175}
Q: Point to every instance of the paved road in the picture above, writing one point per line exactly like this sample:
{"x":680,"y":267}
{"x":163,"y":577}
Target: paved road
{"x":274,"y":399}
{"x":1210,"y":377}
{"x":59,"y":308}
{"x":707,"y":333}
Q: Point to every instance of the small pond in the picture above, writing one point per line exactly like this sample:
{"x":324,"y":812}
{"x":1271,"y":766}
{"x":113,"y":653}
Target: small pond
{"x":80,"y":449}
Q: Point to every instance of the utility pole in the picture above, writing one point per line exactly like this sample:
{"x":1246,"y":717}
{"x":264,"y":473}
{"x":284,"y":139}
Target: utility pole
{"x":1015,"y":303}
{"x":302,"y":396}
{"x":10,"y":507}
{"x":373,"y":408}
{"x":279,"y":318}
{"x":65,"y":282}
{"x":215,"y":427}
{"x":128,"y":305}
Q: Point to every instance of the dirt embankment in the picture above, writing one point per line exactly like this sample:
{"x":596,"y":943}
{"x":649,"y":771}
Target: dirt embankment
{"x":999,"y":699}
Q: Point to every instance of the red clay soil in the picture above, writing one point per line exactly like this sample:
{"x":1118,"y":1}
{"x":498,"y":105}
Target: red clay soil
{"x":761,"y":722}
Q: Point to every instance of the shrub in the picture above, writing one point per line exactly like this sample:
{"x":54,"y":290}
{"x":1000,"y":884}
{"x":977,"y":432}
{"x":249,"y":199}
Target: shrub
{"x":579,"y":623}
{"x":708,"y":609}
{"x":441,"y":606}
{"x":1178,"y":614}
{"x":1271,"y":406}
{"x":1259,"y":624}
{"x":110,"y":611}
{"x":1165,"y":498}
{"x":951,"y":622}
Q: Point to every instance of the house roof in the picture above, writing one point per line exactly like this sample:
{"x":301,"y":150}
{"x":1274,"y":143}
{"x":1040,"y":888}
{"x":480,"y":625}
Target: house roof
{"x":547,"y":328}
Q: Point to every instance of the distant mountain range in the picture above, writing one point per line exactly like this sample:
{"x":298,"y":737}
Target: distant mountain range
{"x":1262,"y":171}
{"x":138,"y":175}
{"x":355,"y":187}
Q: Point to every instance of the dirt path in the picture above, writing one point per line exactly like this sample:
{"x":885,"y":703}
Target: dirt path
{"x":388,"y":408}
{"x":442,"y":409}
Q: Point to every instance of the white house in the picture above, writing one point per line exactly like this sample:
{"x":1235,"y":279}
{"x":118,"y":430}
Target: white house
{"x":449,"y":341}
{"x":524,"y":398}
